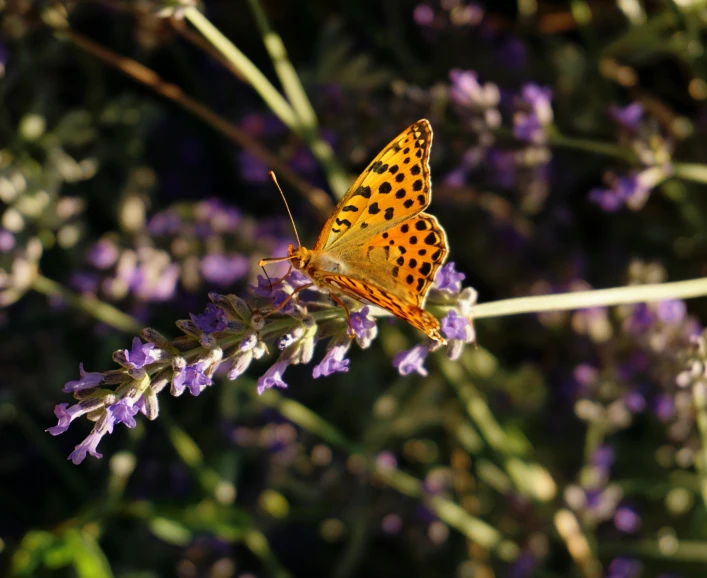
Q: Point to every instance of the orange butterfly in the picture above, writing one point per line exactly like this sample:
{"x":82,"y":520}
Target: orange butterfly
{"x":378,"y":246}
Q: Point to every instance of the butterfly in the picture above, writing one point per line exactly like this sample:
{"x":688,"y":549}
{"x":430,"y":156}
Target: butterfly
{"x":378,"y":246}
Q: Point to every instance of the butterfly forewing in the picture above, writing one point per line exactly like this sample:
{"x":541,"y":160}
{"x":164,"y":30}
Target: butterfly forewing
{"x":394,"y":187}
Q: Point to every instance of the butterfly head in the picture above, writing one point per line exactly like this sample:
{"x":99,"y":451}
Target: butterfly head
{"x":299,"y":256}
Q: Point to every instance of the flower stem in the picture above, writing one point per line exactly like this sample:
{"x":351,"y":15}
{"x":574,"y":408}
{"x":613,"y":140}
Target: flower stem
{"x":699,"y":395}
{"x":298,"y":116}
{"x":598,"y":298}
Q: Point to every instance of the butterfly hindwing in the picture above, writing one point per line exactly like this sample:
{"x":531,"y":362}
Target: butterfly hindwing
{"x":413,"y":251}
{"x":403,"y":305}
{"x":394,"y":186}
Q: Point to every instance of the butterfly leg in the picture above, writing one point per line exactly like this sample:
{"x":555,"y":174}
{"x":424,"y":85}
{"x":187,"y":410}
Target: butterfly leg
{"x":350,"y":332}
{"x":287,"y":299}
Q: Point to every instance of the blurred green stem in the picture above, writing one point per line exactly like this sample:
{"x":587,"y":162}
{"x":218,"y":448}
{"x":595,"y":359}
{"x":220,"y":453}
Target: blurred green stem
{"x":598,"y":298}
{"x":298,"y":115}
{"x":92,"y":306}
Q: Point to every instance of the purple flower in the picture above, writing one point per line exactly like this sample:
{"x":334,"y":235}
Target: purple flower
{"x":333,"y":361}
{"x":454,"y":326}
{"x":408,"y":361}
{"x":664,"y":407}
{"x":192,"y":377}
{"x":629,"y":116}
{"x":87,"y":446}
{"x":224,"y":270}
{"x":535,"y":115}
{"x":624,"y":190}
{"x":624,"y":568}
{"x":167,"y":222}
{"x":447,"y":279}
{"x":634,"y":401}
{"x":603,"y":458}
{"x":7,"y":239}
{"x":123,"y":412}
{"x":87,"y":380}
{"x":386,"y":461}
{"x":65,"y":417}
{"x":141,"y":354}
{"x":103,"y":254}
{"x":627,"y":520}
{"x":640,"y":320}
{"x":212,"y":319}
{"x":361,"y":323}
{"x":671,"y":311}
{"x":466,"y":91}
{"x":272,"y":377}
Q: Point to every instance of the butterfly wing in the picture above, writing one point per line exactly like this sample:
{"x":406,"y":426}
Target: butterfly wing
{"x":393,"y":270}
{"x":394,"y":187}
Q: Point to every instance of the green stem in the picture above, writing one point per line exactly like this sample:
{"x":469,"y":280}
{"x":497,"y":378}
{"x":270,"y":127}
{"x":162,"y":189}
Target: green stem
{"x":598,"y":298}
{"x":611,"y":150}
{"x":298,"y":116}
{"x":694,"y":172}
{"x":97,"y":309}
{"x":285,"y":71}
{"x":250,"y":72}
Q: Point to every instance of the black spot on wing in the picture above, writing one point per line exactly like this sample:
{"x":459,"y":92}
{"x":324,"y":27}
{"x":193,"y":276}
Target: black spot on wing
{"x":389,"y":212}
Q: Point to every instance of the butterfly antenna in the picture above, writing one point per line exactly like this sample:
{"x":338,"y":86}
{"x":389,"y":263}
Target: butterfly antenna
{"x":274,"y":178}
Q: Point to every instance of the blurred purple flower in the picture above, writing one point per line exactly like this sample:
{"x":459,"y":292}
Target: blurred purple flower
{"x":87,"y":380}
{"x":167,"y":222}
{"x":640,"y":320}
{"x":627,"y":520}
{"x":224,"y":270}
{"x":7,"y":239}
{"x":447,"y":279}
{"x":624,"y":190}
{"x":671,"y":311}
{"x":333,"y":361}
{"x":664,"y":407}
{"x":423,"y":14}
{"x":103,"y":254}
{"x":408,"y":361}
{"x":629,"y":116}
{"x":634,"y":401}
{"x":466,"y":91}
{"x":534,"y":114}
{"x":603,"y":458}
{"x":273,"y":377}
{"x":624,"y":568}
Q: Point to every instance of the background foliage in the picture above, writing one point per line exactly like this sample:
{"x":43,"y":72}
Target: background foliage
{"x":568,"y":155}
